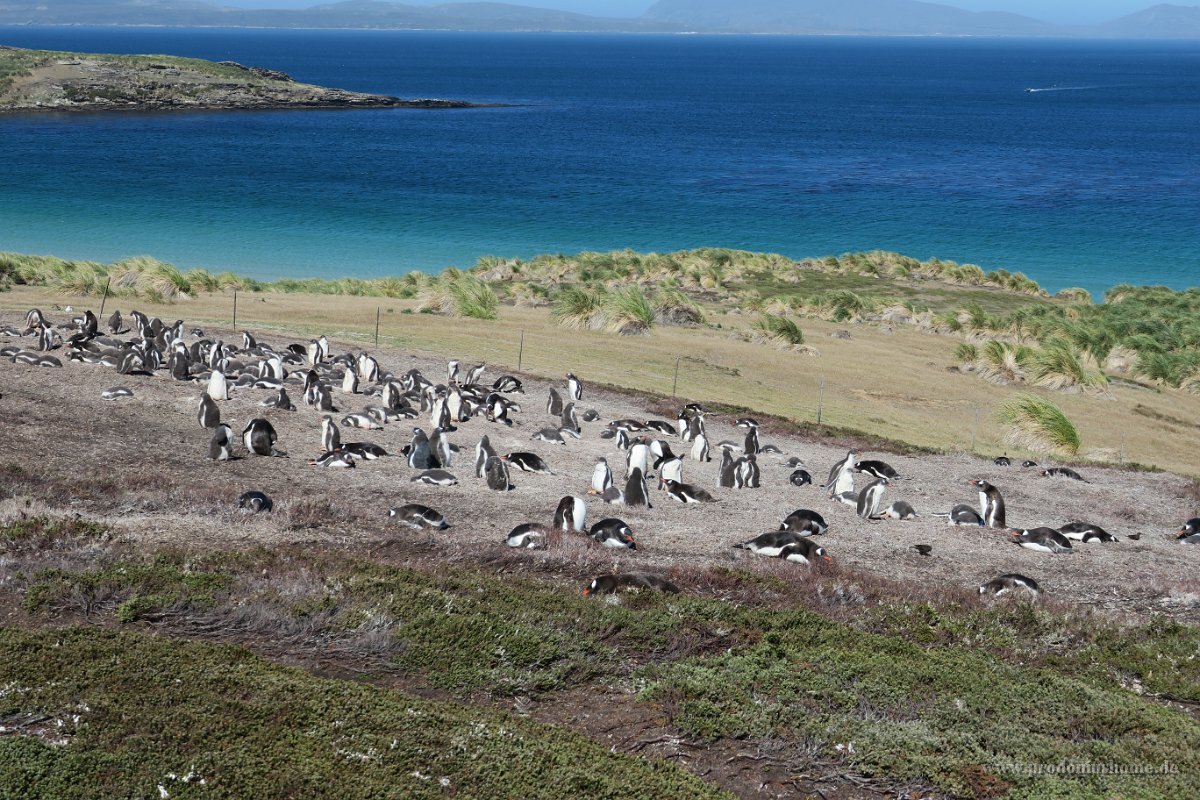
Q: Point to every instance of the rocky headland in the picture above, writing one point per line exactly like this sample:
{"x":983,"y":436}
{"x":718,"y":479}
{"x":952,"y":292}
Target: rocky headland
{"x":43,"y":80}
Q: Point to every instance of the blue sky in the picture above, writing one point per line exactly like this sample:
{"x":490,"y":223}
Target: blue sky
{"x":1061,"y":11}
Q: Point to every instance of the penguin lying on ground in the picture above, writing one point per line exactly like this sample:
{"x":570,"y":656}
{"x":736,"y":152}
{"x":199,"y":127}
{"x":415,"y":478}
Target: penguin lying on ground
{"x":611,"y":584}
{"x":1010,"y":583}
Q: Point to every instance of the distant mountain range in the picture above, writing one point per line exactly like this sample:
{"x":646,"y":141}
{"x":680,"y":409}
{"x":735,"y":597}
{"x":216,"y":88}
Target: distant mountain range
{"x":864,"y":17}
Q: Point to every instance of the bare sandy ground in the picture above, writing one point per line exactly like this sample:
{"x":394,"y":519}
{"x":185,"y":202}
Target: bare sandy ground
{"x":140,"y":464}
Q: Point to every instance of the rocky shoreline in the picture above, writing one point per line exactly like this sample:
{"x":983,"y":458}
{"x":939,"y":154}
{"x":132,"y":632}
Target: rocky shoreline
{"x":51,"y":81}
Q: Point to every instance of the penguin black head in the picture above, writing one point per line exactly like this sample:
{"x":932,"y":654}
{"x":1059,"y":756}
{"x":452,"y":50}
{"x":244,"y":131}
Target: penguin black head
{"x":1002,"y":461}
{"x":1192,"y":526}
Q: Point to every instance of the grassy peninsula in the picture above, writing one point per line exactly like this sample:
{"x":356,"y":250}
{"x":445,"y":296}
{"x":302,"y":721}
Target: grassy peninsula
{"x":47,"y":80}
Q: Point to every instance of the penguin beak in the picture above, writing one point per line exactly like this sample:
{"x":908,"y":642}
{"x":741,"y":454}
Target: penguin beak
{"x":827,"y":558}
{"x":587,"y":592}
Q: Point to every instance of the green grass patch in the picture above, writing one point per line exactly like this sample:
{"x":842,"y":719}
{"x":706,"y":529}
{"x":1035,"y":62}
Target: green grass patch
{"x":130,"y":713}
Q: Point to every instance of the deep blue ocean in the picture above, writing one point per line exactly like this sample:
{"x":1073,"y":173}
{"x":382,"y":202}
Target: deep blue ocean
{"x":805,"y":146}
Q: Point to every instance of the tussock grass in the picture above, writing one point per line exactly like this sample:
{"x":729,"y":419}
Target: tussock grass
{"x":628,"y":311}
{"x":781,"y":330}
{"x":578,"y":308}
{"x":1038,"y":424}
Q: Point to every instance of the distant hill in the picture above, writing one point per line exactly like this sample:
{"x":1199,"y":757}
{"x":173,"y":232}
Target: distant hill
{"x":864,"y":17}
{"x":1163,"y":21}
{"x":843,"y":16}
{"x":349,"y":14}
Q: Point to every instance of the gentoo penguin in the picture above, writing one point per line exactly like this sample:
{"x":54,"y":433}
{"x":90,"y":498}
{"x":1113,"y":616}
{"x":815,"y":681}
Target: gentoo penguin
{"x":420,"y":456}
{"x":1043,"y":540}
{"x":418,"y":517}
{"x":508,"y":384}
{"x":435,"y":477}
{"x":483,"y":451}
{"x":961,"y":514}
{"x":364,"y":450}
{"x":570,"y":514}
{"x":218,"y":387}
{"x":497,"y":474}
{"x":899,"y":510}
{"x":554,"y":403}
{"x":840,"y":477}
{"x":1065,"y":472}
{"x":361,"y":421}
{"x":1086,"y":532}
{"x":1027,"y":463}
{"x":876,"y":469}
{"x":208,"y":414}
{"x":574,"y":388}
{"x":770,"y":544}
{"x":612,"y":495}
{"x":1002,"y":461}
{"x":117,"y":392}
{"x":452,"y":371}
{"x":529,"y":535}
{"x":1189,"y":533}
{"x":334,"y":459}
{"x":870,"y":499}
{"x":550,"y":436}
{"x":495,"y":409}
{"x":527,"y":462}
{"x":570,"y":420}
{"x":220,"y":446}
{"x":351,"y":382}
{"x":611,"y":584}
{"x":727,"y":471}
{"x":254,"y":501}
{"x":849,"y":498}
{"x":991,"y":504}
{"x":638,"y":457}
{"x":671,"y":470}
{"x":331,"y":437}
{"x":114,"y":323}
{"x":750,"y":445}
{"x":280,"y":401}
{"x":1011,"y":582}
{"x":685,"y":493}
{"x":601,"y":475}
{"x":800,"y":477}
{"x":923,"y":549}
{"x":748,"y":474}
{"x":259,"y":437}
{"x":660,"y":425}
{"x":805,"y":551}
{"x":590,"y":415}
{"x":439,"y":448}
{"x":613,"y":532}
{"x":700,"y":448}
{"x":635,"y":489}
{"x":804,"y":522}
{"x":323,"y":398}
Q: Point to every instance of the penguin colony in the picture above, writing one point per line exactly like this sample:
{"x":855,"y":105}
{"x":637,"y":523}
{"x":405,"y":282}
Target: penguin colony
{"x":648,"y":459}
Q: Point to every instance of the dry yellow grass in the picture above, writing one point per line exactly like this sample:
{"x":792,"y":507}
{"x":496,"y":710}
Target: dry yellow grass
{"x":894,"y":385}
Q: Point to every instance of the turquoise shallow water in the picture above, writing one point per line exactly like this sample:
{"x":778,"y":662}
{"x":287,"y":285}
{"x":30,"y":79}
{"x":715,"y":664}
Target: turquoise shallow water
{"x":804,"y":146}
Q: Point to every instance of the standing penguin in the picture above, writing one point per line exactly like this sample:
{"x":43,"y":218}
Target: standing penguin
{"x":420,"y":456}
{"x":841,"y":475}
{"x":601,"y":476}
{"x":570,"y":420}
{"x":208,"y":414}
{"x":439,"y":446}
{"x":635,"y":489}
{"x":991,"y":504}
{"x":727,"y":472}
{"x":748,"y":474}
{"x":700,"y":448}
{"x":870,"y":499}
{"x":571,"y":514}
{"x":220,"y":446}
{"x":751,"y":445}
{"x":497,"y":474}
{"x":483,"y":451}
{"x":331,"y":437}
{"x":350,"y":381}
{"x":218,"y":387}
{"x":259,"y":437}
{"x":638,"y":457}
{"x":554,"y":403}
{"x":574,"y":388}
